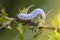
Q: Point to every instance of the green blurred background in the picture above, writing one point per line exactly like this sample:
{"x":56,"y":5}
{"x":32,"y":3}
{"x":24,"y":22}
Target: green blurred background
{"x":51,"y":7}
{"x":12,"y":6}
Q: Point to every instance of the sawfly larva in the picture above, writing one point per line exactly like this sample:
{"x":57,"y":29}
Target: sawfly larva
{"x":32,"y":15}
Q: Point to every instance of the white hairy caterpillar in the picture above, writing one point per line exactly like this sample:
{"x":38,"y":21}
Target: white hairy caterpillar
{"x":31,"y":15}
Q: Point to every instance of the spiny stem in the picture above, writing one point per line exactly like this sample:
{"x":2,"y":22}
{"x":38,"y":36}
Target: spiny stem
{"x":35,"y":24}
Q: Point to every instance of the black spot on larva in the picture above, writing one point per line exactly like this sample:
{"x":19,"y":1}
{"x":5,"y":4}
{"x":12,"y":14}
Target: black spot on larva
{"x":28,"y":17}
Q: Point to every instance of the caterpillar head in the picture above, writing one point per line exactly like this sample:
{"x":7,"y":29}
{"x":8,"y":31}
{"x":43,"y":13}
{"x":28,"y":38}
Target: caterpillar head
{"x":41,"y":12}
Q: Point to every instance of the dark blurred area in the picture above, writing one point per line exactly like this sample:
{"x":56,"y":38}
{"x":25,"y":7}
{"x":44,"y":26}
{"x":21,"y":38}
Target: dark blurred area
{"x":12,"y":6}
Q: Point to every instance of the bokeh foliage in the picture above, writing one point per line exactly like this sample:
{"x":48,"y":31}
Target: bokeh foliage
{"x":22,"y":32}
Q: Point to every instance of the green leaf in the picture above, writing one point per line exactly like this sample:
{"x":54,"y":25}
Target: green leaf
{"x":14,"y":25}
{"x":55,"y":22}
{"x":58,"y":18}
{"x":2,"y":20}
{"x":4,"y":13}
{"x":7,"y":34}
{"x":52,"y":18}
{"x":48,"y":34}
